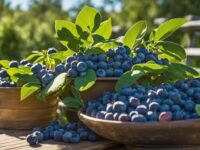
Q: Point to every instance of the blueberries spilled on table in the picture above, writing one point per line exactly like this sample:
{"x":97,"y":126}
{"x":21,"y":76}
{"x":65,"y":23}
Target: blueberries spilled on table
{"x":69,"y":133}
{"x":166,"y":102}
{"x":113,"y":64}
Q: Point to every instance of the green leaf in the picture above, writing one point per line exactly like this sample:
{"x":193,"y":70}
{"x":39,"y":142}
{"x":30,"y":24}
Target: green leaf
{"x":105,"y":29}
{"x":150,"y":67}
{"x":128,"y":78}
{"x":4,"y":63}
{"x":26,"y":78}
{"x":72,"y":102}
{"x":168,"y":27}
{"x":67,"y":34}
{"x":27,"y":90}
{"x":94,"y":50}
{"x":76,"y":93}
{"x":24,"y":70}
{"x":137,"y":31}
{"x":169,"y":57}
{"x":185,"y":68}
{"x":33,"y":57}
{"x":40,"y":59}
{"x":88,"y":19}
{"x":197,"y":109}
{"x":83,"y":83}
{"x":172,"y":48}
{"x":55,"y":85}
{"x":173,"y":73}
{"x":61,"y":55}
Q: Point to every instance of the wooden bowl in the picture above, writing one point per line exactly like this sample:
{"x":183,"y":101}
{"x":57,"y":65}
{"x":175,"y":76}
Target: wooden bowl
{"x":174,"y":133}
{"x":27,"y":114}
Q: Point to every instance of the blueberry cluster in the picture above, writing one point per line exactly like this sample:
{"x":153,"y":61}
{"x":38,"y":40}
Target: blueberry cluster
{"x":69,"y":133}
{"x":38,"y":70}
{"x":166,"y":102}
{"x":113,"y":64}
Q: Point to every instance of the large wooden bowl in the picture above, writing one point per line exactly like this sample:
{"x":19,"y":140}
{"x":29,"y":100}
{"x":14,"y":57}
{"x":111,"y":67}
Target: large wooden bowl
{"x":26,"y":114}
{"x":172,"y":133}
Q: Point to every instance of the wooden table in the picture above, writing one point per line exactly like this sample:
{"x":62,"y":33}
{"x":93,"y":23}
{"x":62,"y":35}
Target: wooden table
{"x":15,"y":140}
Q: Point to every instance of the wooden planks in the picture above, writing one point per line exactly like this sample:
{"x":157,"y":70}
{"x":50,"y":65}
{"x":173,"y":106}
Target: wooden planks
{"x":15,"y":140}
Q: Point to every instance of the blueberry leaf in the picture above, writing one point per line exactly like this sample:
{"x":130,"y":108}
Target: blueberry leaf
{"x":197,"y":109}
{"x":83,"y":83}
{"x":168,"y":27}
{"x":27,"y":78}
{"x":128,"y":78}
{"x":60,"y":56}
{"x":172,"y":48}
{"x":4,"y":63}
{"x":105,"y":29}
{"x":33,"y":57}
{"x":62,"y":80}
{"x":27,"y":90}
{"x":88,"y":19}
{"x":72,"y":103}
{"x":187,"y":69}
{"x":136,"y":32}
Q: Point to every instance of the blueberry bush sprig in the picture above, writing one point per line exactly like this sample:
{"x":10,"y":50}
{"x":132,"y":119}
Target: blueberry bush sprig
{"x":70,"y":133}
{"x":166,"y":102}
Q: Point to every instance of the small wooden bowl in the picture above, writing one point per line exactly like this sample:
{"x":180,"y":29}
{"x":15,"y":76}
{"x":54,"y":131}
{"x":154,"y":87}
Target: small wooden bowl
{"x":16,"y":114}
{"x":174,"y":133}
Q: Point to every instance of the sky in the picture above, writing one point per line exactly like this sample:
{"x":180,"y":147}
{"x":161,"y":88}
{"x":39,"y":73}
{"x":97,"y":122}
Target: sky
{"x":66,"y":4}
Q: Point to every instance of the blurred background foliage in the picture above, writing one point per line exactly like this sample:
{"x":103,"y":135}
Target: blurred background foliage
{"x":24,"y":30}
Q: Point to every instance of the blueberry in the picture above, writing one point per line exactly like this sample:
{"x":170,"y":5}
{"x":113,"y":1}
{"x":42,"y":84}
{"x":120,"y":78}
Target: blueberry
{"x":58,"y":135}
{"x":162,"y":93}
{"x":175,"y":97}
{"x":28,"y":65}
{"x":101,"y":57}
{"x":90,"y":64}
{"x":118,"y":57}
{"x":60,"y":69}
{"x":93,"y":57}
{"x":23,"y":62}
{"x":194,"y":116}
{"x":190,"y":92}
{"x":184,"y":87}
{"x":178,"y":83}
{"x":109,"y":116}
{"x":101,"y":115}
{"x":152,"y":94}
{"x":75,"y":139}
{"x":124,"y":117}
{"x":42,"y":73}
{"x":94,"y":113}
{"x":178,"y":115}
{"x":119,"y":106}
{"x":195,"y":83}
{"x":81,"y":66}
{"x":72,"y":73}
{"x":153,"y":106}
{"x":93,"y":137}
{"x":189,"y":106}
{"x":13,"y":64}
{"x":101,"y":73}
{"x":72,"y":126}
{"x":117,"y":65}
{"x":138,"y":118}
{"x":57,"y":127}
{"x":168,"y":102}
{"x":32,"y":139}
{"x":51,"y":50}
{"x":141,"y":109}
{"x":164,"y":108}
{"x":109,"y":72}
{"x":38,"y":129}
{"x":141,"y":56}
{"x":126,"y":91}
{"x":175,"y":108}
{"x":196,"y":96}
{"x":165,"y":116}
{"x":102,"y":65}
{"x":84,"y":135}
{"x":39,"y":135}
{"x":109,"y":108}
{"x":46,"y":134}
{"x":67,"y":136}
{"x":110,"y":53}
{"x":74,"y":64}
{"x":116,"y":116}
{"x":117,"y":72}
{"x":47,"y":78}
{"x":134,"y":101}
{"x":131,"y":113}
{"x":152,"y":116}
{"x":3,"y":74}
{"x":36,"y":68}
{"x":122,"y":98}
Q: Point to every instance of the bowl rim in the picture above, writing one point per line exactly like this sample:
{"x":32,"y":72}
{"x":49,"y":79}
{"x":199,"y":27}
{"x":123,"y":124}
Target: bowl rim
{"x":83,"y":115}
